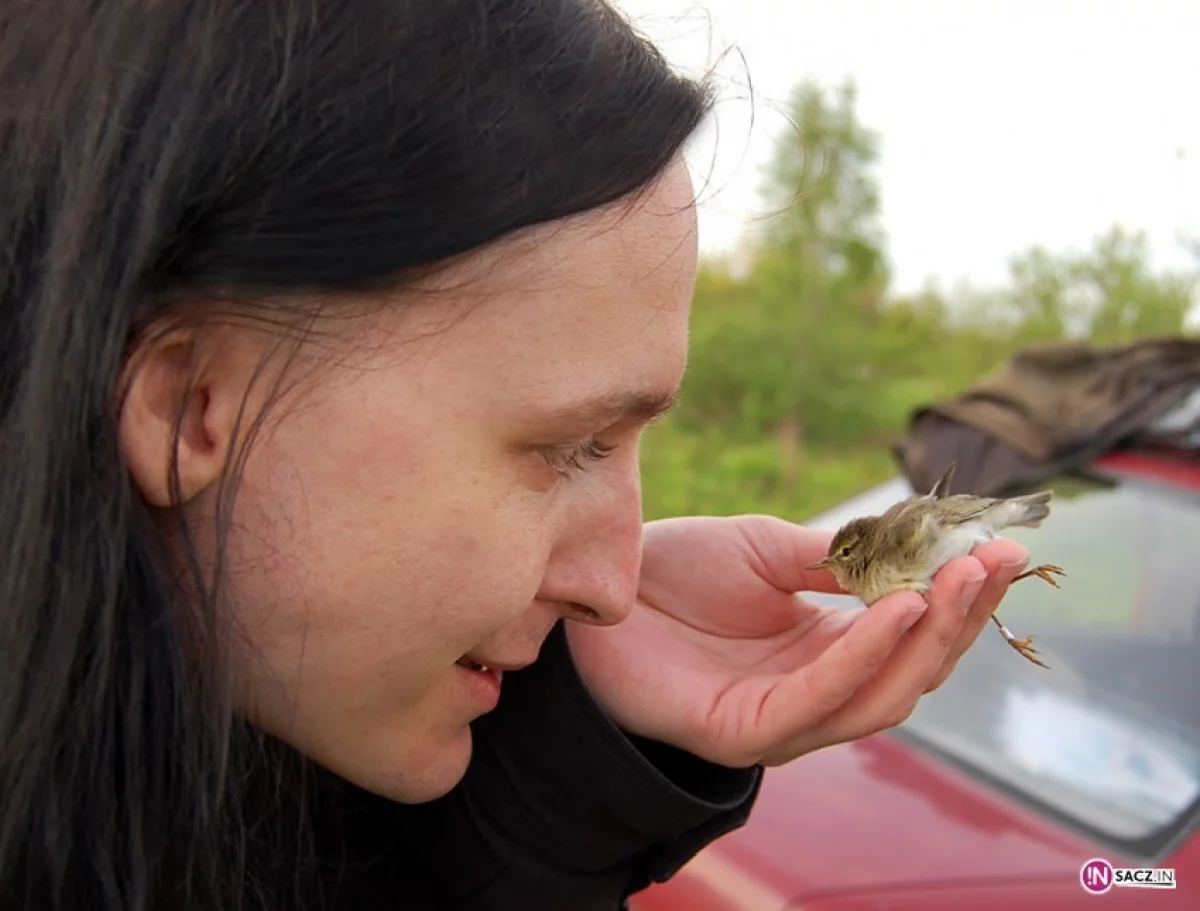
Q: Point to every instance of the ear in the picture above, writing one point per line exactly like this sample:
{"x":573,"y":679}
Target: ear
{"x":182,"y":409}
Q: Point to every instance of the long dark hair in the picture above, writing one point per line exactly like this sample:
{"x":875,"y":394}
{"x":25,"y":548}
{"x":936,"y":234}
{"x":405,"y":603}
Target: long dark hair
{"x":156,"y":152}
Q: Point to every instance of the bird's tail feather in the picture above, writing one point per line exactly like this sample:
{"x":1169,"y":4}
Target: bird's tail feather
{"x":1027,"y":511}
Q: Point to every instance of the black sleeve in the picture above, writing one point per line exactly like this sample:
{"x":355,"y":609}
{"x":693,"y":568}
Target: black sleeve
{"x":559,"y":809}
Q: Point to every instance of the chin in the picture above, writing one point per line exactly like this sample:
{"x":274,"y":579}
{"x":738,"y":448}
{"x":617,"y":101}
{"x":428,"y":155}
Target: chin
{"x":431,"y":774}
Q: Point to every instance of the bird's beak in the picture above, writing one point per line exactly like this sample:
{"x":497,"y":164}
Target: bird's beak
{"x":820,"y":564}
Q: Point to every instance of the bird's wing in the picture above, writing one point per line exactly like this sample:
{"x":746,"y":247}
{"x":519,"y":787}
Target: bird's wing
{"x":963,"y":508}
{"x":905,"y":527}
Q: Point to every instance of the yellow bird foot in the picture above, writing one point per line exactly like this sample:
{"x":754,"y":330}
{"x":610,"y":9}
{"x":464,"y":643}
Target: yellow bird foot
{"x":1043,"y":572}
{"x":1023,"y":647}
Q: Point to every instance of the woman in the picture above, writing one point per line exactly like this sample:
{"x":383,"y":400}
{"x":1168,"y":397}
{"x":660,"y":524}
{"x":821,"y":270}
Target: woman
{"x":330,"y":329}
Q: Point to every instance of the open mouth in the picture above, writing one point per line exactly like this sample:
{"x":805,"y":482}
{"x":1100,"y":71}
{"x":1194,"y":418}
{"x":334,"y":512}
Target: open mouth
{"x":473,"y":665}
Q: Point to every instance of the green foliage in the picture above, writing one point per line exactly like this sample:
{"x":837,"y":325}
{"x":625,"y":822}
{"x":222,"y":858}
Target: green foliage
{"x":707,"y":473}
{"x":794,"y":340}
{"x":804,"y":369}
{"x":1109,"y":294}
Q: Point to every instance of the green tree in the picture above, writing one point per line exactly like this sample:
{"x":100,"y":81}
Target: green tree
{"x":1129,"y":300}
{"x":803,"y":368}
{"x":788,"y":348}
{"x":1109,"y":293}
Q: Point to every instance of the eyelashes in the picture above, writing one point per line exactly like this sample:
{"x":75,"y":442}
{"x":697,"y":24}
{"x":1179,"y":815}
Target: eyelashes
{"x":571,"y":459}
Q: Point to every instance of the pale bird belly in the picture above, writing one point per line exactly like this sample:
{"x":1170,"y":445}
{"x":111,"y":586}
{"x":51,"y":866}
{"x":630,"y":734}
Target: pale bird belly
{"x":958,"y":542}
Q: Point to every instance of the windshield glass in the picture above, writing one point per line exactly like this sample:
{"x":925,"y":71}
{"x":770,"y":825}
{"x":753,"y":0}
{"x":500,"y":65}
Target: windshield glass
{"x":1109,"y":738}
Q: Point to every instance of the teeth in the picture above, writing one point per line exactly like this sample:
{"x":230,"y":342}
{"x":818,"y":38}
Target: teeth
{"x":474,"y":666}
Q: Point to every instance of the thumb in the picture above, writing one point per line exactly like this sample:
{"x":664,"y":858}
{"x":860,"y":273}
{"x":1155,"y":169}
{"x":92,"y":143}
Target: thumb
{"x":780,"y":551}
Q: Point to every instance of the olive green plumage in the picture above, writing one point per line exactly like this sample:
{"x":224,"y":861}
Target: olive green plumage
{"x":903,"y":548}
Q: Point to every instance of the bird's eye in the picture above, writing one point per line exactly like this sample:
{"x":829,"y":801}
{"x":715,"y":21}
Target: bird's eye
{"x":845,"y":551}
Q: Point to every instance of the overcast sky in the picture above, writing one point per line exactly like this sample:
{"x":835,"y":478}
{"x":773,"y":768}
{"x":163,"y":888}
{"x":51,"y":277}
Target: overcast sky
{"x":1003,"y":123}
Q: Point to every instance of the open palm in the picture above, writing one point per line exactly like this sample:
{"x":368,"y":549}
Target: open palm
{"x":721,"y":656}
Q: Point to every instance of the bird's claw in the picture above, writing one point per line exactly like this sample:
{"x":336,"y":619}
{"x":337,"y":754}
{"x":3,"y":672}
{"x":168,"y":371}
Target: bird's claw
{"x":1045,"y":572}
{"x":1024,"y":647}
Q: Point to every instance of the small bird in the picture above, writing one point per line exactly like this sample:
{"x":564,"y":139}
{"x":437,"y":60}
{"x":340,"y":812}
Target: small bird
{"x":902,"y":549}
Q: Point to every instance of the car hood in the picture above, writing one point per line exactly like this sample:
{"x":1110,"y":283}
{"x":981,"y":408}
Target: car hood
{"x":879,"y":814}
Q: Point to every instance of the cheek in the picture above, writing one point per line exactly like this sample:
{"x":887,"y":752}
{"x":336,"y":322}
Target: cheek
{"x":363,"y":566}
{"x":356,"y":591}
{"x":372,"y":546}
{"x":406,"y":565}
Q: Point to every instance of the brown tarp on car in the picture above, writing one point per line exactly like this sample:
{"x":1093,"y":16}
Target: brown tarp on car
{"x":1053,"y":408}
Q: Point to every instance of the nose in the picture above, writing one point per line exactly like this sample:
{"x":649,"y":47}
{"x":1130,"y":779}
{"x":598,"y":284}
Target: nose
{"x":594,"y":566}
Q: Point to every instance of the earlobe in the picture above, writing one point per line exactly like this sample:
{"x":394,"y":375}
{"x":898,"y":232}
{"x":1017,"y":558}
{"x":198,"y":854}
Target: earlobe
{"x":168,"y":417}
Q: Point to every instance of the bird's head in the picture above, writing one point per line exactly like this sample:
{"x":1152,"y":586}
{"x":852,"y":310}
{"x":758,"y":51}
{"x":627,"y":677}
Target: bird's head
{"x":849,"y":553}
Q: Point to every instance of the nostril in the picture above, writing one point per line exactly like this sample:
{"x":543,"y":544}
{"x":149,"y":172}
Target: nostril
{"x":584,"y":612}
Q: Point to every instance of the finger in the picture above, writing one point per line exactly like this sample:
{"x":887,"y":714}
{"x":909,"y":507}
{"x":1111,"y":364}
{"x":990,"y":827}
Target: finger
{"x":890,"y":696}
{"x":781,"y":550}
{"x":1004,"y":560}
{"x":807,"y":697}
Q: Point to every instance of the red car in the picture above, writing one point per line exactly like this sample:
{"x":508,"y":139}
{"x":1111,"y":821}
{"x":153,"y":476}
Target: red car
{"x":1007,"y":780}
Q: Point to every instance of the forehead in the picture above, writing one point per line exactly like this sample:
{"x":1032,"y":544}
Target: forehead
{"x":592,"y":306}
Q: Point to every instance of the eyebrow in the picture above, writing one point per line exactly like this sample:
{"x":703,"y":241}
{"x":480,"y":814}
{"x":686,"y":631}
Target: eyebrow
{"x":618,"y":406}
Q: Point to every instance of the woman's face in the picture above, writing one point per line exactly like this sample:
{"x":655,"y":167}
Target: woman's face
{"x":433,"y":495}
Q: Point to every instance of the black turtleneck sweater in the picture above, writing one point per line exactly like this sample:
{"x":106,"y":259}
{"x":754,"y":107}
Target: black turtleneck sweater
{"x":559,"y":811}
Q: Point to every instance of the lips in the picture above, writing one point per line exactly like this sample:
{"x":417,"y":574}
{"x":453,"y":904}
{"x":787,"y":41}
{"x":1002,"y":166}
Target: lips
{"x":472,"y":665}
{"x":487,"y":663}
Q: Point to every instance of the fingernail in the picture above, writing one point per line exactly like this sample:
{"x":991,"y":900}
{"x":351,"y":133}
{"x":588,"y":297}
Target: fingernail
{"x":915,"y":613}
{"x":1018,"y":563}
{"x":971,"y":589}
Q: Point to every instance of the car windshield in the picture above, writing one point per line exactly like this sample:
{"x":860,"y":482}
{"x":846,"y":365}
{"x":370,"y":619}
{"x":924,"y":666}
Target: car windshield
{"x":1109,"y":738}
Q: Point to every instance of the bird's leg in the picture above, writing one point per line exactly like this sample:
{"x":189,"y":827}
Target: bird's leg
{"x":1043,"y":572}
{"x":1023,"y":646}
{"x":1046,"y":572}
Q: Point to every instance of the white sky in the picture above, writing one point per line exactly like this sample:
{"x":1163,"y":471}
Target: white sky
{"x":1003,"y":123}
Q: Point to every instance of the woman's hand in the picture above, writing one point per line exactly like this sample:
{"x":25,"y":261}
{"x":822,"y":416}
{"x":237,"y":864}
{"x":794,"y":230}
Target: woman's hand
{"x":721,"y":658}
